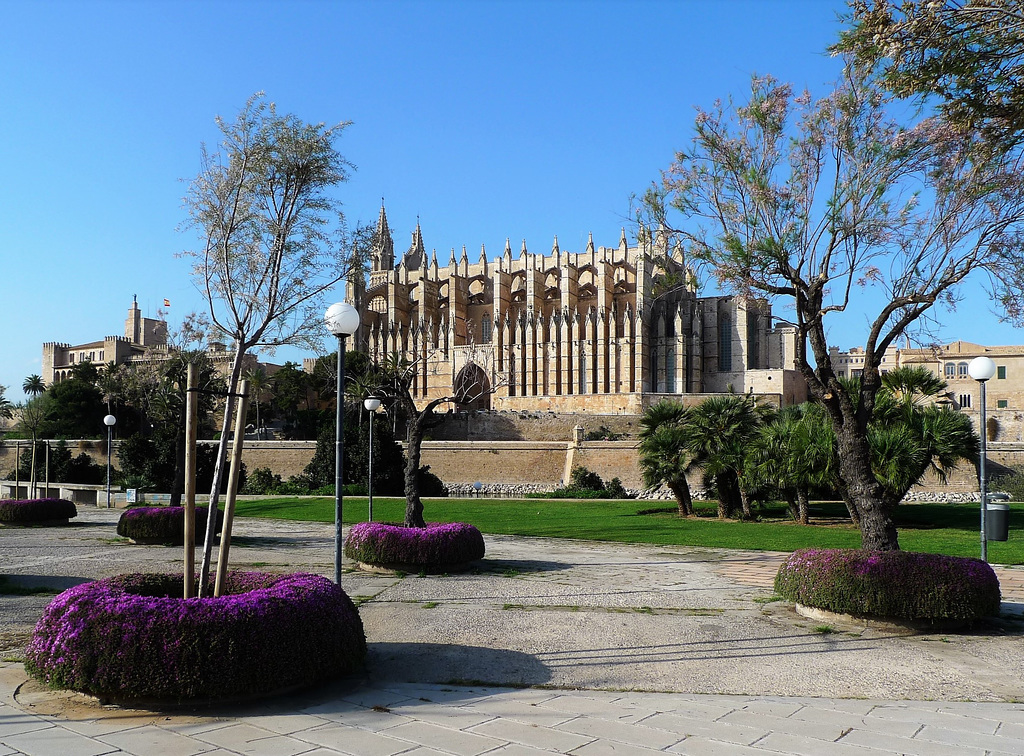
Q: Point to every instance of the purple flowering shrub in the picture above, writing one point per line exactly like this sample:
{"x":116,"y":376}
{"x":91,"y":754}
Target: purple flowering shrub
{"x":894,"y":584}
{"x":162,"y":524}
{"x":436,"y":546}
{"x":36,"y":510}
{"x":132,"y":637}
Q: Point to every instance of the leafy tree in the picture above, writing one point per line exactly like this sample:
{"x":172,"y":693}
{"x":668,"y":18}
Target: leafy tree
{"x":969,"y":55}
{"x":33,"y":386}
{"x":664,"y":455}
{"x":64,"y":468}
{"x":264,"y":211}
{"x":290,"y":387}
{"x":75,"y":410}
{"x":86,"y":372}
{"x":788,"y":197}
{"x":388,"y":461}
{"x":34,"y":414}
{"x":259,"y":381}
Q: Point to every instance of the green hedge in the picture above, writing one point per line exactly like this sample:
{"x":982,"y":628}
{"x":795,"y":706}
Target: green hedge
{"x":902,"y":585}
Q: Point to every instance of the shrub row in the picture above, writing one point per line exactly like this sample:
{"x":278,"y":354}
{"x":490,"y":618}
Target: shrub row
{"x":36,"y":510}
{"x":161,"y":524}
{"x":436,"y":546}
{"x":894,"y":584}
{"x":132,"y":637}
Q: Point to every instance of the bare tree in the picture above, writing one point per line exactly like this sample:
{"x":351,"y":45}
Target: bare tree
{"x":274,"y":241}
{"x":395,"y":378}
{"x":810,"y":201}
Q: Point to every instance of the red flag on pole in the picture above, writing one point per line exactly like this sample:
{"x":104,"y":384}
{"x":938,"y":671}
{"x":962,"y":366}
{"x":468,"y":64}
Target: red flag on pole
{"x":167,"y":303}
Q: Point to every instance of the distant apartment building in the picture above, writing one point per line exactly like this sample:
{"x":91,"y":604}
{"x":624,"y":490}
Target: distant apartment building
{"x":1004,"y":393}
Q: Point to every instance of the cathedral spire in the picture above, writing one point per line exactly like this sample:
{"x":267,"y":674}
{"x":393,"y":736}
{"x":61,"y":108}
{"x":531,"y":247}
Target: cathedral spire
{"x":384,"y":246}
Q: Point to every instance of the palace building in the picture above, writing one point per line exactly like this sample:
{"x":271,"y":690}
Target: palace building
{"x":605,"y":330}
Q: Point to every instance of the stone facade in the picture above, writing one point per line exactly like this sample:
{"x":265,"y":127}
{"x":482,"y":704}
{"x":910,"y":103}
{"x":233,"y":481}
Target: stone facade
{"x":1004,"y":393}
{"x":608,"y":330}
{"x":144,"y":340}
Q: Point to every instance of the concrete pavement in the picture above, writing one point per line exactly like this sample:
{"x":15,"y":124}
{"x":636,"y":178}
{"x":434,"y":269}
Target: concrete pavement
{"x":621,"y":649}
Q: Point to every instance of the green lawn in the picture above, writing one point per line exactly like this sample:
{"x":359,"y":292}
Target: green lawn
{"x":937,"y":528}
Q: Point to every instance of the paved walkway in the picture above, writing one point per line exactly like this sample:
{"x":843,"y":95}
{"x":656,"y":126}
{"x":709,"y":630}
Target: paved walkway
{"x":598,"y":633}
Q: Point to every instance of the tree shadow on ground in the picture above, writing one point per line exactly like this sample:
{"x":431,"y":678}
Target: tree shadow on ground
{"x":506,"y":566}
{"x":445,"y":663}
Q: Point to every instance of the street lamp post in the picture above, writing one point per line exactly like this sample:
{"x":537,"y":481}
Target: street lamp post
{"x":982,"y":369}
{"x":372,"y":404}
{"x":342,"y":320}
{"x":109,"y":421}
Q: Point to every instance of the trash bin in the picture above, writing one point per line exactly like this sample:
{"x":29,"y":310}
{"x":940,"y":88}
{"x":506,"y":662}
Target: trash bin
{"x":997,"y":522}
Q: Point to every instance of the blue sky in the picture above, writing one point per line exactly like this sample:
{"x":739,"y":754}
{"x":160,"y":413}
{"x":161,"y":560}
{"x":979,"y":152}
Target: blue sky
{"x":485,"y":119}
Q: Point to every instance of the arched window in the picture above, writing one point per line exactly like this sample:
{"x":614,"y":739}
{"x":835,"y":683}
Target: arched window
{"x":485,"y":329}
{"x":950,"y":370}
{"x":961,"y":370}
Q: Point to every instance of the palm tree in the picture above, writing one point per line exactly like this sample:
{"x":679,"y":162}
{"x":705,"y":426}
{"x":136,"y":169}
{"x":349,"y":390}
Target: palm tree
{"x":258,"y":382}
{"x":718,"y":431}
{"x":6,"y":406}
{"x":664,"y":456}
{"x":33,"y":386}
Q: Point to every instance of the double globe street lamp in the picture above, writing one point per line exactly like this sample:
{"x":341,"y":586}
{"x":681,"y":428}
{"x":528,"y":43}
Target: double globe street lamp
{"x":342,"y":320}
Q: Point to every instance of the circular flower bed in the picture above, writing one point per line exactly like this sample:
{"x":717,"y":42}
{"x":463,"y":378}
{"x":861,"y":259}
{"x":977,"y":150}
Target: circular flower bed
{"x":36,"y":511}
{"x":161,"y":524}
{"x":900,"y":585}
{"x":133,"y":638}
{"x":439,"y":547}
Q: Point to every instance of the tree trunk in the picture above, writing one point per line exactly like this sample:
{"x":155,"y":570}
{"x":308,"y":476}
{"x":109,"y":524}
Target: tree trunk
{"x":178,"y":484}
{"x":218,"y":472}
{"x":801,"y":504}
{"x":877,"y":530}
{"x":791,"y":504}
{"x":851,"y":508}
{"x":413,"y":505}
{"x":745,"y":502}
{"x":681,"y":490}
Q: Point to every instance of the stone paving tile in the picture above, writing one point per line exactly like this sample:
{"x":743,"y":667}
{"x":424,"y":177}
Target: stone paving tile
{"x":148,"y":740}
{"x":606,"y":748}
{"x":531,"y":735}
{"x":775,"y":707}
{"x":453,"y":741}
{"x":515,"y":749}
{"x":824,"y":731}
{"x":15,"y":722}
{"x":446,"y":716}
{"x":364,"y":719}
{"x":844,"y":720}
{"x":354,"y":741}
{"x":527,"y":713}
{"x":794,"y":745}
{"x":936,"y":735}
{"x":685,"y":726}
{"x":645,"y":736}
{"x":286,"y":724}
{"x":591,"y":707}
{"x":253,"y":741}
{"x":56,"y":740}
{"x":935,"y":718}
{"x":907,"y":746}
{"x":701,"y":746}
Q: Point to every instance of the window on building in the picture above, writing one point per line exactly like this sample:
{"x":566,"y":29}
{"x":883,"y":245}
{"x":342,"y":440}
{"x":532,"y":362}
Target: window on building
{"x":965,"y":401}
{"x":485,"y":329}
{"x":101,"y":355}
{"x":961,"y":370}
{"x":950,"y":370}
{"x":857,"y":373}
{"x":724,"y":344}
{"x":1001,"y":404}
{"x":71,"y":358}
{"x":670,"y":369}
{"x":753,"y":341}
{"x":1001,"y":372}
